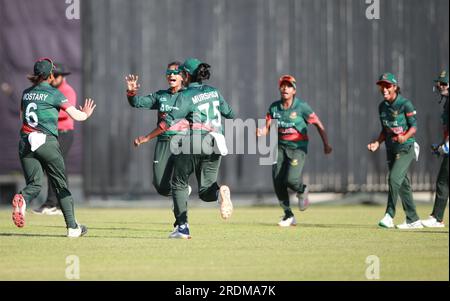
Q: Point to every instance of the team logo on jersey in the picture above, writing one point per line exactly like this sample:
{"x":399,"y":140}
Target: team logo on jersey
{"x":397,"y":156}
{"x":294,"y":162}
{"x":395,"y":114}
{"x":293,"y":115}
{"x":162,"y":99}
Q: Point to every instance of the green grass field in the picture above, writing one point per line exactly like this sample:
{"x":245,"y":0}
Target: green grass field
{"x":330,"y":243}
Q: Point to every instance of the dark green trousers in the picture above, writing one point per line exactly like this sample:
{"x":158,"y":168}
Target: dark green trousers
{"x":48,"y":157}
{"x":286,"y":173}
{"x":441,"y":199}
{"x":399,"y":183}
{"x":206,"y":169}
{"x":162,"y":167}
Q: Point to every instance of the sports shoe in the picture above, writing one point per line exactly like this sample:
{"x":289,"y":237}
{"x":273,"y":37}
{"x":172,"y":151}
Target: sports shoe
{"x":226,"y":206}
{"x":303,"y":199}
{"x":386,"y":222}
{"x":45,"y":210}
{"x":181,"y":232}
{"x":77,"y":232}
{"x":415,"y":225}
{"x":431,"y":222}
{"x":19,"y":207}
{"x":287,"y":221}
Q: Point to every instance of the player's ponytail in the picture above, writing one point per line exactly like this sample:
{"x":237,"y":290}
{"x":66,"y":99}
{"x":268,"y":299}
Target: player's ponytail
{"x":202,"y":73}
{"x":37,"y":79}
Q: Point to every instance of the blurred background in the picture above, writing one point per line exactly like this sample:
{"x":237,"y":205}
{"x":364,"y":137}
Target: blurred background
{"x":331,"y":47}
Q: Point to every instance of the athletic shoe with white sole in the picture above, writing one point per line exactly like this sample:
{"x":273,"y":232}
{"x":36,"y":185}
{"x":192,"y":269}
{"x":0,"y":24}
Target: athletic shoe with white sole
{"x":181,"y":232}
{"x":431,"y":222}
{"x":287,"y":221}
{"x":226,"y":206}
{"x":77,"y":232}
{"x":19,"y":207}
{"x":303,"y":200}
{"x":386,"y":222}
{"x":410,"y":226}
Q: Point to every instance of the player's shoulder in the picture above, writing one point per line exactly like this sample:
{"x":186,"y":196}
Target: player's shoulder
{"x":405,"y":102}
{"x":300,"y":102}
{"x":162,"y":92}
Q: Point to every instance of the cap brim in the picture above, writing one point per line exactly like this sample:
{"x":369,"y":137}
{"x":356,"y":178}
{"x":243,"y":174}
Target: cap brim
{"x":385,"y":81}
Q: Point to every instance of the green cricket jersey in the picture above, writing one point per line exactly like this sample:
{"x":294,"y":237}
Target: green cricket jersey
{"x":203,"y":106}
{"x":444,"y":118}
{"x":164,"y":102}
{"x":396,"y":119}
{"x":292,"y":123}
{"x":40,"y":109}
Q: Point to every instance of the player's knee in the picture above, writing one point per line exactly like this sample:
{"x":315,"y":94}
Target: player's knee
{"x":394,"y":182}
{"x":62,"y":193}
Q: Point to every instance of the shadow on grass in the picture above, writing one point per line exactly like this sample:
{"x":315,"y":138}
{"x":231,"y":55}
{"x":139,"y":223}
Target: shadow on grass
{"x":108,"y":228}
{"x":30,"y":235}
{"x":84,"y":237}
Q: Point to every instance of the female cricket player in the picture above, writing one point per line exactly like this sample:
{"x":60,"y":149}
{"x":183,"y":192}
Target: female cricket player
{"x":203,"y":106}
{"x":163,"y":101}
{"x":39,"y":148}
{"x":293,"y":115}
{"x":398,"y":121}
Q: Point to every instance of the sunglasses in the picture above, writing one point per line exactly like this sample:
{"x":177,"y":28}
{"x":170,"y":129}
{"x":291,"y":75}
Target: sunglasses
{"x":174,"y":72}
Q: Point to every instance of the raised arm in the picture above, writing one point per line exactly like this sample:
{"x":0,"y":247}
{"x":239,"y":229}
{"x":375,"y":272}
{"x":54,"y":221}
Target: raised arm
{"x":85,"y":111}
{"x":147,"y":102}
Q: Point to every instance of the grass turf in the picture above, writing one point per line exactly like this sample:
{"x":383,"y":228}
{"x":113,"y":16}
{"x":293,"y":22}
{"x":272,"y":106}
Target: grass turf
{"x":329,"y":243}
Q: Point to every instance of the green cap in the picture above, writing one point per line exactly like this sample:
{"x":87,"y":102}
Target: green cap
{"x":43,"y":67}
{"x":443,"y":77}
{"x":387,"y":78}
{"x":191,"y":65}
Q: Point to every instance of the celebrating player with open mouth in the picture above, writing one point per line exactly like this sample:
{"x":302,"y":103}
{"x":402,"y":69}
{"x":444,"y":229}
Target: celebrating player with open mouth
{"x":163,"y":101}
{"x":39,"y":148}
{"x":399,"y":125}
{"x":203,"y":106}
{"x":293,"y":115}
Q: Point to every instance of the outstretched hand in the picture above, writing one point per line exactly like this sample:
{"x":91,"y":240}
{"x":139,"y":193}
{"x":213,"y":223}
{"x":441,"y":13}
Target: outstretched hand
{"x":132,"y":82}
{"x":88,"y":107}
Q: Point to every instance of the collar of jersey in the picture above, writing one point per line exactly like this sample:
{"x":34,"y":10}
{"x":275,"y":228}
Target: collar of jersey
{"x":294,"y":103}
{"x":194,"y":85}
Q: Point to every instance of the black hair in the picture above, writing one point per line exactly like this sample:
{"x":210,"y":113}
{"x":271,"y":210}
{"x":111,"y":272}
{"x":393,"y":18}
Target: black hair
{"x":37,"y":79}
{"x":174,"y":63}
{"x":202,"y":73}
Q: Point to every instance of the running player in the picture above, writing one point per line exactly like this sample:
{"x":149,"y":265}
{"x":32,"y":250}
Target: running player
{"x":163,"y":101}
{"x":398,"y":121}
{"x":39,"y":148}
{"x":436,"y":219}
{"x":293,"y":115}
{"x":202,"y":106}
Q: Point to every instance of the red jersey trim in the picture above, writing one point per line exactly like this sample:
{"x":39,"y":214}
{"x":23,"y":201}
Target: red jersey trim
{"x":28,"y":129}
{"x":313,"y":119}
